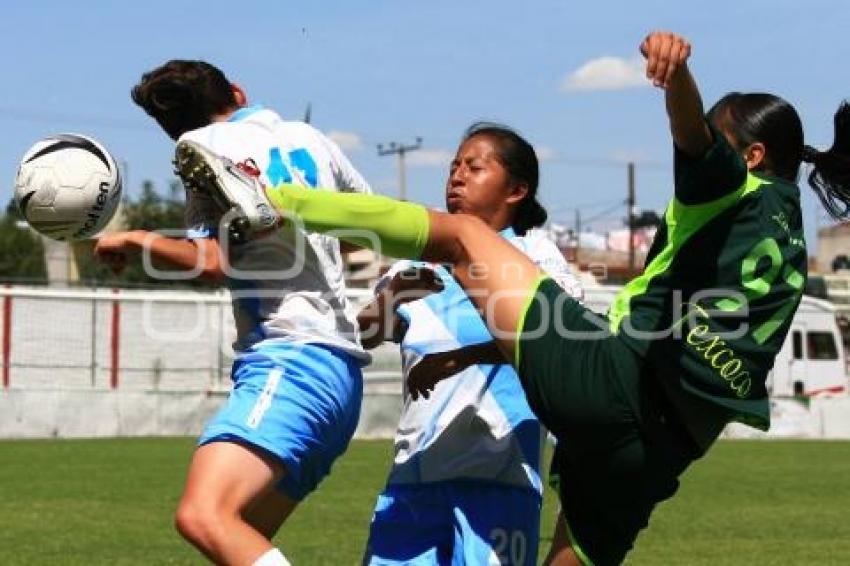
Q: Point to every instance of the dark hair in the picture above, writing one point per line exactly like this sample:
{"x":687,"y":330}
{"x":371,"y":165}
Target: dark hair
{"x":766,"y":118}
{"x":184,"y":95}
{"x":518,"y":158}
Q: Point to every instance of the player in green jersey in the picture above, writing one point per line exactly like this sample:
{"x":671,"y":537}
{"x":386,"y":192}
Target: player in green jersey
{"x":636,"y":396}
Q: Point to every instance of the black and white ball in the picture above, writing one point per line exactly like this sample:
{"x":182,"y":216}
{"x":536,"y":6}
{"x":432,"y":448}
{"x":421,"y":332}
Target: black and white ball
{"x":68,"y":187}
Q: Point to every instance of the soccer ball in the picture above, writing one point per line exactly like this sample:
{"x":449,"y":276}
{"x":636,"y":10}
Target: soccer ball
{"x":68,"y":187}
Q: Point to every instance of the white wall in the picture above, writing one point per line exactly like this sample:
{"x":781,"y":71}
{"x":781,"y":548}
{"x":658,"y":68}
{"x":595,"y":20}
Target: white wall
{"x":823,"y":418}
{"x":101,"y":413}
{"x":174,"y":363}
{"x":98,"y":413}
{"x":81,"y":413}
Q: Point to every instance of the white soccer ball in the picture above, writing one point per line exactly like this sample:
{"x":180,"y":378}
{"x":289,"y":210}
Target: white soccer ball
{"x":68,"y":187}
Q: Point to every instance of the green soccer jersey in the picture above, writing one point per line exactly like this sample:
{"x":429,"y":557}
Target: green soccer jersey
{"x":722,"y":281}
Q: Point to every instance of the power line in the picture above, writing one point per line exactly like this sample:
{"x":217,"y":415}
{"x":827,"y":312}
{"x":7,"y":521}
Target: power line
{"x":40,"y":116}
{"x":48,"y":117}
{"x":605,"y":163}
{"x":604,"y":214}
{"x":582,"y":206}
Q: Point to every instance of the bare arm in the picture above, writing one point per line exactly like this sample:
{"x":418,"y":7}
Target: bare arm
{"x":438,"y":366}
{"x":484,"y":353}
{"x":204,"y":254}
{"x":666,"y":65}
{"x":378,"y":320}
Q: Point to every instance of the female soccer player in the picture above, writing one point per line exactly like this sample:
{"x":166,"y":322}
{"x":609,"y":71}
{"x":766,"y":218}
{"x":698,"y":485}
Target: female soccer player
{"x":465,"y":484}
{"x":686,"y":346}
{"x":297,"y":384}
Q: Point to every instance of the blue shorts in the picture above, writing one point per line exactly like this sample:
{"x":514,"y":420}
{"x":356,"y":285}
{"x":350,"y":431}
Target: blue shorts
{"x":298,"y":402}
{"x":458,"y":522}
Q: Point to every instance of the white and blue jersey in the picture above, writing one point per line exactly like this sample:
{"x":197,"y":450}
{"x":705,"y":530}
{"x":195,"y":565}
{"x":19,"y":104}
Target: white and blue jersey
{"x":287,"y":286}
{"x":476,"y":425}
{"x":465,"y":484}
{"x":297,"y":383}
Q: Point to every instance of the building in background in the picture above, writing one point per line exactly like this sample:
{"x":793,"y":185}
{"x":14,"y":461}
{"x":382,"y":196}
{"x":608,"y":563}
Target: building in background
{"x":834,"y":248}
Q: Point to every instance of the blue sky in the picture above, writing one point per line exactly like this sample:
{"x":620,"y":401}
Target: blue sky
{"x":379,"y":71}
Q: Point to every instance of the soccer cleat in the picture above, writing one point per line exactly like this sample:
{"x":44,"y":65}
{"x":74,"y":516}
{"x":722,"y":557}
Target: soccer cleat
{"x":231,"y":187}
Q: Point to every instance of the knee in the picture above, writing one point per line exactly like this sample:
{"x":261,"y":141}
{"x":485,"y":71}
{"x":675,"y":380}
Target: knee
{"x":196,"y":523}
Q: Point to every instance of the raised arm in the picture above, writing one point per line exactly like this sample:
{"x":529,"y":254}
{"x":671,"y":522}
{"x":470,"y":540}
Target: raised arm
{"x":666,"y":66}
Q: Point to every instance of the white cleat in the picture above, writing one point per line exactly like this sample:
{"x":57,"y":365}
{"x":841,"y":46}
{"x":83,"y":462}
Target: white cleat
{"x":234,"y":190}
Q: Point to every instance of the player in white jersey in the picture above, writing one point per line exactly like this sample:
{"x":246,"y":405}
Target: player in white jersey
{"x":297,"y":385}
{"x":465,"y":484}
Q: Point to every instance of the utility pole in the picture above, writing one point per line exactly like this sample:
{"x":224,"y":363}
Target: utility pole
{"x":400,"y":149}
{"x":630,"y":203}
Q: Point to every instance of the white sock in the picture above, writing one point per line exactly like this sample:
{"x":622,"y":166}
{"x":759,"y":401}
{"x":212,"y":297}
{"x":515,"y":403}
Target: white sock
{"x":272,"y":557}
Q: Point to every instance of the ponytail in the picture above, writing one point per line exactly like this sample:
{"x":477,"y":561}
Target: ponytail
{"x":529,"y":214}
{"x":830,"y":174}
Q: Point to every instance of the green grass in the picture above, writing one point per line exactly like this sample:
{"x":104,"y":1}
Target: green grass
{"x":110,"y":502}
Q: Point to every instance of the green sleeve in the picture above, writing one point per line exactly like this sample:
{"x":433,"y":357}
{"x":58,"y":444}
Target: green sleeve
{"x":717,"y":173}
{"x":388,"y":226}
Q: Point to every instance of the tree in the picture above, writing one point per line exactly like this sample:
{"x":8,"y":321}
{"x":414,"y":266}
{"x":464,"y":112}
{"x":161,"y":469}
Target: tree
{"x":21,"y":251}
{"x":646,"y":219}
{"x":153,"y":212}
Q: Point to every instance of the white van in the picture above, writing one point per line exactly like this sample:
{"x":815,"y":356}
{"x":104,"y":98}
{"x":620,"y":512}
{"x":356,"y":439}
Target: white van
{"x":812,"y":360}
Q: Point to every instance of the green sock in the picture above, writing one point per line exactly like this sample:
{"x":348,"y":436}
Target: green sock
{"x":388,"y":226}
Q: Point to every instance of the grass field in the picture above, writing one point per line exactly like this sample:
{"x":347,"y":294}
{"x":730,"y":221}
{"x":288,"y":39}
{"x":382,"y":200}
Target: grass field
{"x":110,"y":502}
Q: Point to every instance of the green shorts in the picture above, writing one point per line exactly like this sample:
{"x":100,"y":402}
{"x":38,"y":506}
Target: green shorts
{"x":620,"y":447}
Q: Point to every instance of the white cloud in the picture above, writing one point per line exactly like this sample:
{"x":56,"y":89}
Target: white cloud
{"x":607,"y":73}
{"x":429,"y":158}
{"x":347,"y":141}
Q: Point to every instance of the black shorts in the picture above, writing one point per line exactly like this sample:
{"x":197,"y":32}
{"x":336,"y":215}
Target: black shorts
{"x":620,"y":447}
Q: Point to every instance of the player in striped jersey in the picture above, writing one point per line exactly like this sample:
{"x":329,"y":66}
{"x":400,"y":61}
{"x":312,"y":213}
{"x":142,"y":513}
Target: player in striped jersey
{"x":465,"y":484}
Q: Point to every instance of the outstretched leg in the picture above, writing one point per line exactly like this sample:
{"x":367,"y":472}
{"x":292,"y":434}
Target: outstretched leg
{"x":498,"y":277}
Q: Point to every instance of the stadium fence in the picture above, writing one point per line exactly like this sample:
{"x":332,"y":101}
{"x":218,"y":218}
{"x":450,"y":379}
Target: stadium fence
{"x":143,"y":340}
